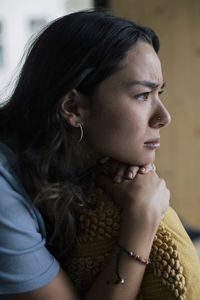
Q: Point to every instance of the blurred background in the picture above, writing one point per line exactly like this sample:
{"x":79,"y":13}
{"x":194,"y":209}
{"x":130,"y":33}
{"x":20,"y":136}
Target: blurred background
{"x":20,"y":20}
{"x":177,"y":23}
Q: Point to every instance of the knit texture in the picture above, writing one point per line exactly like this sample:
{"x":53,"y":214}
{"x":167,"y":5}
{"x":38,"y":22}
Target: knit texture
{"x":175,"y":269}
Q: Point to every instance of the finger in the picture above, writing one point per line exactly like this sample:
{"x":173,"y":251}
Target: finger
{"x":118,"y":178}
{"x":147,"y":168}
{"x":131,"y":172}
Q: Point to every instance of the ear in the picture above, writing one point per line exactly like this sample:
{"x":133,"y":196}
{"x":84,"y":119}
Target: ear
{"x":74,"y":107}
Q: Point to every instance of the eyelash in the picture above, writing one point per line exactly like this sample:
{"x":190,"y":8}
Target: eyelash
{"x":145,"y":95}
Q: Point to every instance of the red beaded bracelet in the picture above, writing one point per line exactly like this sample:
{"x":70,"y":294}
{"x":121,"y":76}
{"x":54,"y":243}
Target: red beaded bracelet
{"x":143,"y":260}
{"x":132,"y":254}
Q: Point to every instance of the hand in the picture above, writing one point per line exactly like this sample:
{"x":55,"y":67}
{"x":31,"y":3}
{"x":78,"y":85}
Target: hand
{"x":129,"y":172}
{"x":120,"y":171}
{"x":145,"y":195}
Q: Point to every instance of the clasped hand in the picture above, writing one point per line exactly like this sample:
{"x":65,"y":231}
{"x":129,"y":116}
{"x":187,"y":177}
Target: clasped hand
{"x":134,"y":189}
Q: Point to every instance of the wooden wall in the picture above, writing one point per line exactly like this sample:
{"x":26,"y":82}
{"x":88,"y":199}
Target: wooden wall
{"x":177,"y":23}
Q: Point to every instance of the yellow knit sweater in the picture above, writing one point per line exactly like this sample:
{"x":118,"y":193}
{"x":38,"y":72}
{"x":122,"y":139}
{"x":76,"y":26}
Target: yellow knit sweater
{"x":175,"y":269}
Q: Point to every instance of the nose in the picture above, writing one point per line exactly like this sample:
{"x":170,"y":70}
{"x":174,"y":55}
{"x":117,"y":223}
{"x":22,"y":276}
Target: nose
{"x":160,"y":117}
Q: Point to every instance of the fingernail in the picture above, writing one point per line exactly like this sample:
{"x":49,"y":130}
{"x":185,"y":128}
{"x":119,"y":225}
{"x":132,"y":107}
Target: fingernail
{"x":118,"y":179}
{"x":143,"y":169}
{"x":130,"y":175}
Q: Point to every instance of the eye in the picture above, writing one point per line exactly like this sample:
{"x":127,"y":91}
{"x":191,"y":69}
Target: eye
{"x":143,"y":96}
{"x":160,"y":92}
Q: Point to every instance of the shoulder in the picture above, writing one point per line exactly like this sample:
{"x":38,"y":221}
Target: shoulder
{"x":17,"y":214}
{"x":16,"y":208}
{"x":9,"y":169}
{"x":25,"y":262}
{"x":13,"y":194}
{"x":7,"y":157}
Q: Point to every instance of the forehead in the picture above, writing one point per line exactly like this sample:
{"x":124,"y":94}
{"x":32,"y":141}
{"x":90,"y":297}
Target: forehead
{"x":141,"y":63}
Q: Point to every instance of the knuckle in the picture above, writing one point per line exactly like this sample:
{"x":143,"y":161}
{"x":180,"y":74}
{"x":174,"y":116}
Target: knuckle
{"x":133,"y":168}
{"x":120,"y":171}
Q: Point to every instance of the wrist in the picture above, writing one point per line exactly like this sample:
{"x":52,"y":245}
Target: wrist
{"x":141,"y":217}
{"x":138,"y":230}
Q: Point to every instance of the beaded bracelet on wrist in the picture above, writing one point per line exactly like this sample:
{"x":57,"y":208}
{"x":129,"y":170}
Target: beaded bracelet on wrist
{"x":132,"y":254}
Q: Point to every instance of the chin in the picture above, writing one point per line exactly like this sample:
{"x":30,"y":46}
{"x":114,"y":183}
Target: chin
{"x":142,"y":161}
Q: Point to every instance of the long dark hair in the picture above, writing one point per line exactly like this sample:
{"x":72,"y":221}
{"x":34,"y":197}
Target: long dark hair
{"x":76,"y":51}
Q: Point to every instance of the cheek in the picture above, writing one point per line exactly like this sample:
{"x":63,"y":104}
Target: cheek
{"x":127,"y":121}
{"x":119,"y":134}
{"x":115,"y":125}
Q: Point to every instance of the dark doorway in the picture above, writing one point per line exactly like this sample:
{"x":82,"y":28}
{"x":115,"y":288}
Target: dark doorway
{"x":101,"y":3}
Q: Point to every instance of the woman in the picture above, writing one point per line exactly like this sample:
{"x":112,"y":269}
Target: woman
{"x":85,"y":112}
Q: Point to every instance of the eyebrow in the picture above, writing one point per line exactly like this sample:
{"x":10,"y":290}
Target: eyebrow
{"x":149,"y":84}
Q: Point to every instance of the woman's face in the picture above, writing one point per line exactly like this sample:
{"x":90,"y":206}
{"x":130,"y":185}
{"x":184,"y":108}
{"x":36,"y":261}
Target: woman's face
{"x":127,"y":113}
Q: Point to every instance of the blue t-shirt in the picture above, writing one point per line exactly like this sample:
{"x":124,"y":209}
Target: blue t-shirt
{"x":25,"y":262}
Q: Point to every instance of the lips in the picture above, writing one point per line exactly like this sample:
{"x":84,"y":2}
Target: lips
{"x":153,"y":144}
